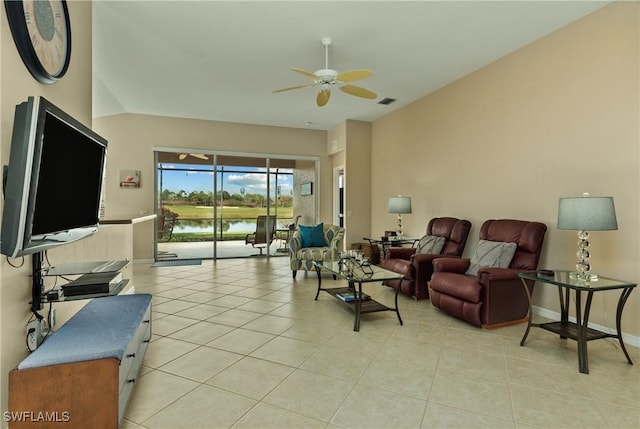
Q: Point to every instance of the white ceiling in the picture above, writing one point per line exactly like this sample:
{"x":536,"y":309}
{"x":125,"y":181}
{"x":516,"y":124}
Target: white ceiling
{"x":221,"y":60}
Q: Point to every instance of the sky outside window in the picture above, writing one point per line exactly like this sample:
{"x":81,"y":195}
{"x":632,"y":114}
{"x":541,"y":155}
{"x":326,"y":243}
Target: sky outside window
{"x":195,"y":178}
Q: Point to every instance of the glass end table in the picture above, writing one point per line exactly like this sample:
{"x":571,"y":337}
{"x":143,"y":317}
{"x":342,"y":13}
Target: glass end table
{"x":391,"y":242}
{"x":579,"y":330}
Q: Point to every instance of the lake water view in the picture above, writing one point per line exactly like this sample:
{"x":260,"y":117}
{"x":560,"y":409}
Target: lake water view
{"x":206,"y":226}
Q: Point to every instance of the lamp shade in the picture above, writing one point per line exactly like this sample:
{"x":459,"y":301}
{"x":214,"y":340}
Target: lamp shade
{"x":587,"y":214}
{"x":399,"y":205}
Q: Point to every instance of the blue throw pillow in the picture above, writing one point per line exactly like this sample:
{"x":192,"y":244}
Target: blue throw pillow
{"x":312,"y":236}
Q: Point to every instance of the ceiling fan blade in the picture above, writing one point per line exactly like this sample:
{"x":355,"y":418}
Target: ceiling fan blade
{"x":184,"y":156}
{"x":323,"y":97}
{"x":304,"y":73}
{"x":358,"y":91}
{"x":290,"y":88}
{"x":354,"y":75}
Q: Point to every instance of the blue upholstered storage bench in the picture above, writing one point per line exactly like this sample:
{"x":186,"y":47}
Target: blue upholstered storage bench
{"x":86,"y":371}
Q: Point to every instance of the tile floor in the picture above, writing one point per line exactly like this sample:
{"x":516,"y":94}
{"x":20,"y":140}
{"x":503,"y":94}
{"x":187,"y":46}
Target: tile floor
{"x":225,"y":249}
{"x":238,"y":344}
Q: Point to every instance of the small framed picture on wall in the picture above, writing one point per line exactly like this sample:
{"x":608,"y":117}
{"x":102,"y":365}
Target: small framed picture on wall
{"x":129,"y":178}
{"x":306,"y":188}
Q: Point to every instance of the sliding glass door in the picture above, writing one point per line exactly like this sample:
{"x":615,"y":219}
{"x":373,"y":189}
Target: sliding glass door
{"x":227,"y":205}
{"x":185,"y":205}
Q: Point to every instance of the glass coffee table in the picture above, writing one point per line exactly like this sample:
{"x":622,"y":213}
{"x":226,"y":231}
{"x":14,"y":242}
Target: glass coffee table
{"x":355,"y":274}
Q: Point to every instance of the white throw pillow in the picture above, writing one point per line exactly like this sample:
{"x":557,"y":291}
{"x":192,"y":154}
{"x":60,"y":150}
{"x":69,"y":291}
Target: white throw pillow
{"x":495,"y":254}
{"x":430,"y":244}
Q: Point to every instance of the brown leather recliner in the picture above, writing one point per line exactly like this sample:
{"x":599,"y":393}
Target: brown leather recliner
{"x":495,"y":296}
{"x":417,"y":268}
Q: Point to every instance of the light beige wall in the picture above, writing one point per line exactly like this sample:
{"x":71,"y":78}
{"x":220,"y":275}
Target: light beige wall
{"x":132,"y":139}
{"x":304,"y":205}
{"x":73,"y":95}
{"x":557,"y":118}
{"x":350,"y":146}
{"x":357,"y":177}
{"x":336,"y":142}
{"x":337,"y":138}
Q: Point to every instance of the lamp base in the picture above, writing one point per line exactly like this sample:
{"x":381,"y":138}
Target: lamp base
{"x":584,"y":268}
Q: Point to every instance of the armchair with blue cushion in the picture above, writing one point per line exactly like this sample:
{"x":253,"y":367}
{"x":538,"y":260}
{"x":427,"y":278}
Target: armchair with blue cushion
{"x":322,"y":242}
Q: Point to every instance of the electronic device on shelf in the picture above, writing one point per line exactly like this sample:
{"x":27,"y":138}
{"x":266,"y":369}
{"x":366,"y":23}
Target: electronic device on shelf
{"x":93,"y":283}
{"x":96,"y":279}
{"x":54,"y":181}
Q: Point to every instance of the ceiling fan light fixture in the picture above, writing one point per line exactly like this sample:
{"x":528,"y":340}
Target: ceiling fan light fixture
{"x":325,"y":86}
{"x":326,"y":75}
{"x":327,"y":78}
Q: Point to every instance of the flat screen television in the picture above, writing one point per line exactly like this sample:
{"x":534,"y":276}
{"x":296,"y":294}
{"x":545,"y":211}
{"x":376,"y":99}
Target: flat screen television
{"x":54,"y":181}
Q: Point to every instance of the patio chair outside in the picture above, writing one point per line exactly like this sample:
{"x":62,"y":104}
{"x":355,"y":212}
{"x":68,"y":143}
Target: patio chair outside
{"x":265,"y":230}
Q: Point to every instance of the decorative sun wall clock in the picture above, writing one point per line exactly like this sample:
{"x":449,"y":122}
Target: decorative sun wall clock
{"x":41,"y":30}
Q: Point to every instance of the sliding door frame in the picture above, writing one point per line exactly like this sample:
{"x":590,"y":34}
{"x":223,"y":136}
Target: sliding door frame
{"x":217,"y":155}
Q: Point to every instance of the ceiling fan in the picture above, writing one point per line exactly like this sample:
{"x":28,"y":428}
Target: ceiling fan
{"x":327,"y":78}
{"x":183,"y":156}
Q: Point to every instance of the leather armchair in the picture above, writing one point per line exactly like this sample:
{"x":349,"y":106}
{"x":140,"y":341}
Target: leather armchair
{"x":303,"y":257}
{"x":417,"y":268}
{"x":495,"y":296}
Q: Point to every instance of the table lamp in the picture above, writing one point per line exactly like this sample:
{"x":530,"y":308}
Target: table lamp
{"x":586,"y":214}
{"x":399,"y":205}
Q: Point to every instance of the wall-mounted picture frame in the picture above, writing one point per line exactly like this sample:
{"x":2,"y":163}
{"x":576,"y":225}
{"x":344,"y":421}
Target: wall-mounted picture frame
{"x":306,"y":188}
{"x":129,"y":178}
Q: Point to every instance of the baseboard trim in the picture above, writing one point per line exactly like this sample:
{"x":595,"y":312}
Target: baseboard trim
{"x":631,"y":340}
{"x":503,"y":324}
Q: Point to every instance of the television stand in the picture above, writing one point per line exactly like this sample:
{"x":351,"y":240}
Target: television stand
{"x":90,"y":271}
{"x":86,"y":372}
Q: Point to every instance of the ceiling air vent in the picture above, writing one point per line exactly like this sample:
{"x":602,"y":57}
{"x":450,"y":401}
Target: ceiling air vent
{"x":386,"y":101}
